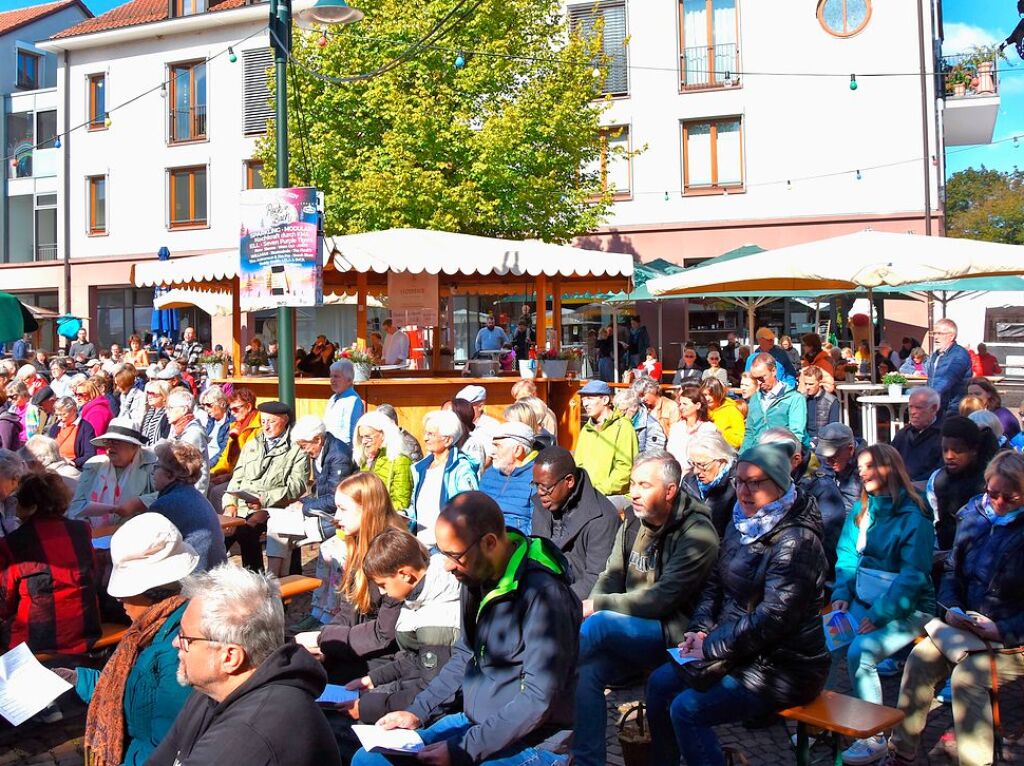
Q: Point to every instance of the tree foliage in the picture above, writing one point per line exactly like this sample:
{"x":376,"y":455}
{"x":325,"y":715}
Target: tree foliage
{"x":986,"y":204}
{"x":507,"y":145}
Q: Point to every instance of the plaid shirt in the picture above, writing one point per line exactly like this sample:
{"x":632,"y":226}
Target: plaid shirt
{"x":48,"y":591}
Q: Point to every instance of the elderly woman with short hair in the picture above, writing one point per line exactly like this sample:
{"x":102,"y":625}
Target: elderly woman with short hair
{"x":218,"y":422}
{"x":132,"y":403}
{"x":445,"y":472}
{"x":154,"y":420}
{"x":44,"y":451}
{"x":650,"y":436}
{"x":185,"y":428}
{"x":178,"y":468}
{"x":715,"y":370}
{"x":714,"y":466}
{"x":73,"y":435}
{"x":379,"y":448}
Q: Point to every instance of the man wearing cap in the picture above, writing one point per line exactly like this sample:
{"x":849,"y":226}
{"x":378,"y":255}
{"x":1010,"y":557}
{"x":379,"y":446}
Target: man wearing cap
{"x":43,"y":400}
{"x":607,"y":444}
{"x":272,"y":471}
{"x":509,"y":480}
{"x":948,"y":367}
{"x":120,"y":482}
{"x":396,"y":344}
{"x":776,"y":403}
{"x":345,"y":406}
{"x":920,"y":441}
{"x":766,"y":345}
{"x":643,"y":600}
{"x":836,"y":485}
{"x":82,"y":346}
{"x":256,"y":701}
{"x":477,"y":396}
{"x":490,"y":337}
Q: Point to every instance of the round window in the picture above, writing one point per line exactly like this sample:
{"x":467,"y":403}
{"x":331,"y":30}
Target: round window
{"x":844,"y":18}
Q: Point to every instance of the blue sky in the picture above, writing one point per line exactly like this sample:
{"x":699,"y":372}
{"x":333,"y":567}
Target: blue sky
{"x":966,"y":23}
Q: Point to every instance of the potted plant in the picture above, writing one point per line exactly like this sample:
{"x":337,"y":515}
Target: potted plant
{"x":982,"y":59}
{"x":214,"y":363}
{"x":361,"y":361}
{"x":958,"y":79}
{"x":895,"y":381}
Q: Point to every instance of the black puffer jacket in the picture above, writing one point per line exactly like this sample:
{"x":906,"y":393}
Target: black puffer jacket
{"x":720,"y":499}
{"x":761,"y":608}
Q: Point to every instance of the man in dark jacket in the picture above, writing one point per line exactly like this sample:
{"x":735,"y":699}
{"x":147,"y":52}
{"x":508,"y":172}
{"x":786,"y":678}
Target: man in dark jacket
{"x":642,"y":602}
{"x":822,"y":407}
{"x":573,"y":515}
{"x":836,"y":485}
{"x":515,"y":660}
{"x":920,"y":441}
{"x":948,"y":367}
{"x":256,"y":696}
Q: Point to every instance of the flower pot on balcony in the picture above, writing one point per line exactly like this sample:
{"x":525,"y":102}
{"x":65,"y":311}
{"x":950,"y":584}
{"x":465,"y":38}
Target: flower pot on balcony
{"x":214,"y":371}
{"x":986,"y":82}
{"x":960,"y":89}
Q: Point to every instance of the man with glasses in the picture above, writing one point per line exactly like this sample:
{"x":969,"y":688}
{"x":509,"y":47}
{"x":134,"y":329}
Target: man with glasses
{"x":256,"y":700}
{"x":689,"y":368}
{"x":515,"y":660}
{"x":642,"y":602}
{"x":776,"y":403}
{"x":948,"y":367}
{"x":573,"y":515}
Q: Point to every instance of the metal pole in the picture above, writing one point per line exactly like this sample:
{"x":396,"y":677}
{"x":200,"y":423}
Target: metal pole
{"x":615,"y":341}
{"x":661,"y":342}
{"x":281,"y":42}
{"x":871,"y":334}
{"x":926,"y":155}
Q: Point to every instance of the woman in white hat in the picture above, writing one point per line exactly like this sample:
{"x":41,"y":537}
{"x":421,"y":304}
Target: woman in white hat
{"x":119,"y":483}
{"x":135,"y":698}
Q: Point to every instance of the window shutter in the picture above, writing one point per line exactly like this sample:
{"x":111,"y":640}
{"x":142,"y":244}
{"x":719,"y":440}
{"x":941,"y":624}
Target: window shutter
{"x":584,"y":17}
{"x":256,"y":64}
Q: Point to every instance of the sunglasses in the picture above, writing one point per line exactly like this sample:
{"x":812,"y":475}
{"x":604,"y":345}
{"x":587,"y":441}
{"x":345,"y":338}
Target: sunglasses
{"x":1011,"y":499}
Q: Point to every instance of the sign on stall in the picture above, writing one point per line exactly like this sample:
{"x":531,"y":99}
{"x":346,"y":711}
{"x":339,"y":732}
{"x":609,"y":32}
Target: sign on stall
{"x":281,"y":249}
{"x":412,"y":298}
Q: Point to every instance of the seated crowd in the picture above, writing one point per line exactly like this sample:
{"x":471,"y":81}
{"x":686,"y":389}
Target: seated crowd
{"x":487,"y":586}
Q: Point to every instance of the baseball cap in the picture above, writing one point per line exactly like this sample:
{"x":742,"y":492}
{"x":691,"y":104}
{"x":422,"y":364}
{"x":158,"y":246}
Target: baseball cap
{"x":833,"y":438}
{"x":473,"y":394}
{"x":519,"y":432}
{"x":596,"y":388}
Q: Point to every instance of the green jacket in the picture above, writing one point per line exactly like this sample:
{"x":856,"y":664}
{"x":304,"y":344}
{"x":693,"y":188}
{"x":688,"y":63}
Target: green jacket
{"x":788,"y":410}
{"x":278,"y":477}
{"x":681,"y":555}
{"x":607,"y":452}
{"x":396,"y":475}
{"x":900,"y":539}
{"x":152,"y":697}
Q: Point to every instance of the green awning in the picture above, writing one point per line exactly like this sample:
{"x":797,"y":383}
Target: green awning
{"x":15,"y":319}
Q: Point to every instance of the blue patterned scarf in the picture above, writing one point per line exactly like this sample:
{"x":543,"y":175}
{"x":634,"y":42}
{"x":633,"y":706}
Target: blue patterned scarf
{"x":994,"y":518}
{"x":723,"y":475}
{"x":765,"y":520}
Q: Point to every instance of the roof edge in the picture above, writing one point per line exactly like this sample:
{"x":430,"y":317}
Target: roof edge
{"x":56,"y":9}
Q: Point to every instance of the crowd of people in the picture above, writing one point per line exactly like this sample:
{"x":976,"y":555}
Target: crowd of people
{"x":487,"y":586}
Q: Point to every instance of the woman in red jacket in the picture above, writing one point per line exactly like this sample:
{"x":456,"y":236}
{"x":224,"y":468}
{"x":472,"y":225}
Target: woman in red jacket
{"x":93,"y":407}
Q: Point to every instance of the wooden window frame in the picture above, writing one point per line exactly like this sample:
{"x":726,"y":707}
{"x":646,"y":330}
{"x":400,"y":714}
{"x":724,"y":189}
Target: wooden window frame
{"x":22,"y":53}
{"x":93,"y":229}
{"x":252,"y":168}
{"x":97,"y":121}
{"x":179,"y":8}
{"x":714,"y":83}
{"x":715,"y":187}
{"x":193,"y":222}
{"x":606,"y":132}
{"x":849,"y":33}
{"x":192,"y":105}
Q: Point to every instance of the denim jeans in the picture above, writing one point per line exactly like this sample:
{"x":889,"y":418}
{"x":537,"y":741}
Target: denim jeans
{"x":681,"y":718}
{"x":453,"y":727}
{"x":614,"y":649}
{"x":867,"y":650}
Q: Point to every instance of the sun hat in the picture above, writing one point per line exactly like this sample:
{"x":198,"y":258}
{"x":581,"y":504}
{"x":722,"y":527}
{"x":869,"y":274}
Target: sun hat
{"x":119,"y":430}
{"x":473,"y":394}
{"x":519,"y":432}
{"x":148,"y":551}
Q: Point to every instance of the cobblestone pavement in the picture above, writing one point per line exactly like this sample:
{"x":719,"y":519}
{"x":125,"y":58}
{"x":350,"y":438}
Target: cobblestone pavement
{"x":60,"y":744}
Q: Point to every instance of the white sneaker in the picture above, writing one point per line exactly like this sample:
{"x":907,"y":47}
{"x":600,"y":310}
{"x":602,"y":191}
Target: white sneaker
{"x":810,"y":740}
{"x":864,"y":751}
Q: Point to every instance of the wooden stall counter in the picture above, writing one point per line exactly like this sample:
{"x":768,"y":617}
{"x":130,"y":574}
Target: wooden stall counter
{"x":414,"y":397}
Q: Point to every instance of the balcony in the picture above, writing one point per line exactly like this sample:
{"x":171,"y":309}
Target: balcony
{"x":706,"y":67}
{"x":188,"y":124}
{"x":971,"y":87}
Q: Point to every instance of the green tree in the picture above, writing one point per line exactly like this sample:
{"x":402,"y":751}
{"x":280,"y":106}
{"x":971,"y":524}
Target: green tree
{"x":499,"y":146}
{"x":986,"y":204}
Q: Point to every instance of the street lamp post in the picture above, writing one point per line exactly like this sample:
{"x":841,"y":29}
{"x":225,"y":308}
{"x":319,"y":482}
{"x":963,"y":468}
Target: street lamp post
{"x":324,"y":12}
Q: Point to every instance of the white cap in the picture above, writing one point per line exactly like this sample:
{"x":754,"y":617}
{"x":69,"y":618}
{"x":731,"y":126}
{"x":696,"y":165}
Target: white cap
{"x":519,"y":432}
{"x":172,"y":370}
{"x":148,"y":551}
{"x":473,"y":394}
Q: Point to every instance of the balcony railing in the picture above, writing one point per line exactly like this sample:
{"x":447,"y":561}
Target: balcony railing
{"x":46,"y":252}
{"x":966,"y":76}
{"x":709,"y":66}
{"x":188,"y":124}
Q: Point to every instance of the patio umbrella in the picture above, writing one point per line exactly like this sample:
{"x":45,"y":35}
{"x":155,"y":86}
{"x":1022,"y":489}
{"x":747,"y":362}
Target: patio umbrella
{"x":163,"y":322}
{"x":15,"y":319}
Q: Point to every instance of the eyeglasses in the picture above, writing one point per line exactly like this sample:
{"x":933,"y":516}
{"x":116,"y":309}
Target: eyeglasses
{"x":703,"y":466}
{"x":236,"y":408}
{"x":184,"y":641}
{"x":547,"y":489}
{"x":153,"y":393}
{"x":458,"y":557}
{"x":1011,"y":499}
{"x":751,"y":485}
{"x":758,"y":378}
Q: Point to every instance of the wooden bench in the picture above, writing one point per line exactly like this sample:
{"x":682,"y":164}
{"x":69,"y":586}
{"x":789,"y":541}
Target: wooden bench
{"x":110,"y":634}
{"x":226,"y":523}
{"x":840,"y":715}
{"x":296,"y":585}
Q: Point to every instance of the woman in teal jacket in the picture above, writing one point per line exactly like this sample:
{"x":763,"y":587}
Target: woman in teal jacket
{"x":445,"y":472}
{"x":883,"y":578}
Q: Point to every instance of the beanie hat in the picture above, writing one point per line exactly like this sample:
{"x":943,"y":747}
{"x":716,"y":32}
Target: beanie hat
{"x":773,"y":459}
{"x":964,"y":429}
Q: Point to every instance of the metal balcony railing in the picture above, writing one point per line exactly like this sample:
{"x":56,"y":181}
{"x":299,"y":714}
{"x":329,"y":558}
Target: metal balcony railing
{"x":966,"y":76}
{"x":188,"y":124}
{"x":46,"y":252}
{"x":709,"y":66}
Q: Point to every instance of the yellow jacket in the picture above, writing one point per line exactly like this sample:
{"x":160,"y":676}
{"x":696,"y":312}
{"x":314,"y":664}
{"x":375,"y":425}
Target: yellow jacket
{"x":238,"y":437}
{"x":729,"y":420}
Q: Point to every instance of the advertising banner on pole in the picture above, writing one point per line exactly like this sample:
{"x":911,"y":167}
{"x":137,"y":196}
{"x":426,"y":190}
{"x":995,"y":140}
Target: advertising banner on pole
{"x":412,"y":298}
{"x":281,"y":249}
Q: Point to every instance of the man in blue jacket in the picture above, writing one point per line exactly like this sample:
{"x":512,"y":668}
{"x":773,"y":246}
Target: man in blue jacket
{"x":515,"y":660}
{"x":948,"y":367}
{"x":765,"y":338}
{"x":509,"y":480}
{"x":776,"y":403}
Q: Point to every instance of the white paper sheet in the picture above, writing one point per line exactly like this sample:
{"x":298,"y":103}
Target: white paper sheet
{"x":287,"y":522}
{"x":335,"y":694}
{"x":26,"y":687}
{"x":374,"y":739}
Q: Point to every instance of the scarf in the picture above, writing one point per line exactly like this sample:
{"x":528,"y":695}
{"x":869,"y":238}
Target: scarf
{"x":994,"y":518}
{"x":104,"y":723}
{"x":723,"y":474}
{"x":108,"y":486}
{"x":151,"y":424}
{"x":766,"y":518}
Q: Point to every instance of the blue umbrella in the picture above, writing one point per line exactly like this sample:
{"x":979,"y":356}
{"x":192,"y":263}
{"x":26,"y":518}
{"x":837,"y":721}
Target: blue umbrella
{"x":164,"y":322}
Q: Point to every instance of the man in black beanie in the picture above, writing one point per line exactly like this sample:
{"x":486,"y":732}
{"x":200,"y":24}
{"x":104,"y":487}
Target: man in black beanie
{"x":44,"y":399}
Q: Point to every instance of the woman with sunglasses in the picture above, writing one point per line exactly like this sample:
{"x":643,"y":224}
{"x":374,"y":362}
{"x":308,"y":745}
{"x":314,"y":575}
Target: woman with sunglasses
{"x":982,"y":595}
{"x":93,"y":406}
{"x":154,"y":419}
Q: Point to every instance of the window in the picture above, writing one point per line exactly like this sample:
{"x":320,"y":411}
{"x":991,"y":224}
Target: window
{"x":28,"y":70}
{"x":46,"y":227}
{"x":613,"y":166}
{"x":187,"y":102}
{"x":256,"y":64}
{"x":708,"y":52}
{"x":121,"y":311}
{"x":97,"y":196}
{"x":187,"y":197}
{"x":584,"y":18}
{"x":46,"y":129}
{"x":254,"y":174}
{"x":20,"y":143}
{"x":97,"y":102}
{"x":189,"y":7}
{"x":712,"y":155}
{"x":844,"y":18}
